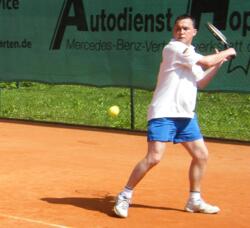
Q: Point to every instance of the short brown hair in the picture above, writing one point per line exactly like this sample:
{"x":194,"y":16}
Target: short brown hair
{"x":186,"y":16}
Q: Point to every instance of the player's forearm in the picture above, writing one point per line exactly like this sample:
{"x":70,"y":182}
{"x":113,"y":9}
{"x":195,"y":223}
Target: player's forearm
{"x":214,"y":59}
{"x":209,"y":75}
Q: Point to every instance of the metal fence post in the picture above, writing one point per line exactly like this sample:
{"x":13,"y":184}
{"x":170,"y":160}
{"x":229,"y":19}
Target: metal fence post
{"x":132,"y":109}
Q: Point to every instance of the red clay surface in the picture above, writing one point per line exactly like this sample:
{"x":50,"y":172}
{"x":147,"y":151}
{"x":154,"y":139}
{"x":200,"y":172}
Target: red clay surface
{"x":54,"y":176}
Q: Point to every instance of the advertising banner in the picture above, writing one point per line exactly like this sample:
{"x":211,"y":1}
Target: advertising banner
{"x":114,"y":43}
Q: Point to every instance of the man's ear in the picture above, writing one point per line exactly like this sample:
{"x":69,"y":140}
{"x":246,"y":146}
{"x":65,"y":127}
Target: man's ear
{"x":195,"y":32}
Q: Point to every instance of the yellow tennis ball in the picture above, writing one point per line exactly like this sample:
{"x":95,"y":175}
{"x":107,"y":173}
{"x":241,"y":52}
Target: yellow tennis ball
{"x":114,"y":111}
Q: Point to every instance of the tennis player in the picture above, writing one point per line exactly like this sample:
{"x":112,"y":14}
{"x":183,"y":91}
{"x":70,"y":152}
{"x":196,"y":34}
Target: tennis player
{"x":171,"y":116}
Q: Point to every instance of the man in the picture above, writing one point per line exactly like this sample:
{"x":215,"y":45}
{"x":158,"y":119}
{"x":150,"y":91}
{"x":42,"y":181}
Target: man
{"x":171,"y":116}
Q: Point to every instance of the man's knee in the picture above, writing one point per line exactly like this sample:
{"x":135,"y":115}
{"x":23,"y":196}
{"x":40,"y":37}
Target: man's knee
{"x":153,"y":161}
{"x":201,"y":154}
{"x":155,"y":153}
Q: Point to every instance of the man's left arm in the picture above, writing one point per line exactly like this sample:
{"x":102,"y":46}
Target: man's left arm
{"x":208,"y":75}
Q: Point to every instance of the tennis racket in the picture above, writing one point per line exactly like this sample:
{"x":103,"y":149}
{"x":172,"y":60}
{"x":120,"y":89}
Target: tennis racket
{"x":218,"y":35}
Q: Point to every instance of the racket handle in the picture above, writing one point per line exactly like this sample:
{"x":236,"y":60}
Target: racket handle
{"x":226,"y":46}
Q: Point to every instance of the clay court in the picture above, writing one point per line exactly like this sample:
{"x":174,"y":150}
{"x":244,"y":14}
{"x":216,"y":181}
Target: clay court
{"x":64,"y":176}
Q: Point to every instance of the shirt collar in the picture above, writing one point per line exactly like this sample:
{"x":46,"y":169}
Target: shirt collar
{"x":187,"y":46}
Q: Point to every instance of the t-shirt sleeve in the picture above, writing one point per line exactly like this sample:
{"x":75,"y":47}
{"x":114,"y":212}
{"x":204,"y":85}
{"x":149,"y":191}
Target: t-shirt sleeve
{"x":177,"y":54}
{"x":188,"y":57}
{"x":198,"y":72}
{"x":197,"y":69}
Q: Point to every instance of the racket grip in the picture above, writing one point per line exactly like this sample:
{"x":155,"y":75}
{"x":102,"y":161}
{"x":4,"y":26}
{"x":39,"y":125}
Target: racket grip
{"x":226,"y":46}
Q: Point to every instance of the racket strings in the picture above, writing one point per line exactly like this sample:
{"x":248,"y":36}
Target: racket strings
{"x":218,"y":34}
{"x":232,"y":66}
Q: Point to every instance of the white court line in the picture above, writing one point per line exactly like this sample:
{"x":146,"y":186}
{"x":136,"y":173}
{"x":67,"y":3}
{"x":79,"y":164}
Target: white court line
{"x":33,"y":221}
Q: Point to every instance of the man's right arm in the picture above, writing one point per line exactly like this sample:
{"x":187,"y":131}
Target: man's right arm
{"x":214,"y":59}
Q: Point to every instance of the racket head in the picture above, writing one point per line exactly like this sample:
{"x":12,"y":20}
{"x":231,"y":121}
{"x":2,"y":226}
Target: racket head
{"x":218,"y":34}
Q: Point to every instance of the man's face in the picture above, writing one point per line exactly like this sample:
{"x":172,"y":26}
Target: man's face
{"x":184,"y":31}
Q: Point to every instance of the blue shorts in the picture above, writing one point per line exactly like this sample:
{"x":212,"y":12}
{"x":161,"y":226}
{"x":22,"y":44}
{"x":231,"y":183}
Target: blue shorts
{"x":174,"y":130}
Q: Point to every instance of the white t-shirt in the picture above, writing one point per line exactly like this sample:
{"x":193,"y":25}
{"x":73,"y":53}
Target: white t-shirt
{"x":176,"y":89}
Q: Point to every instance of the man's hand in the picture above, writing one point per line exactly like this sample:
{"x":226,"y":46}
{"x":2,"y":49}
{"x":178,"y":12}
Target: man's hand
{"x":232,"y":53}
